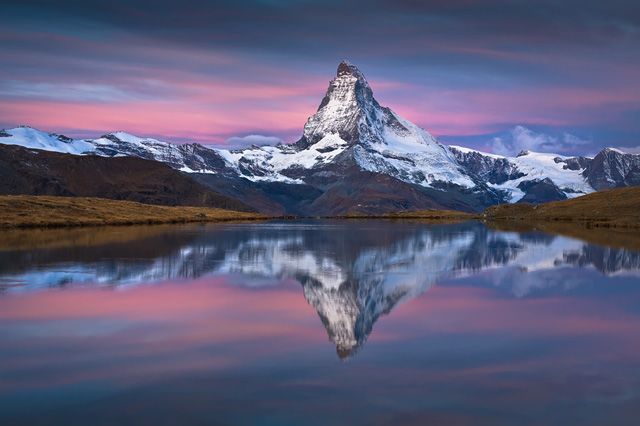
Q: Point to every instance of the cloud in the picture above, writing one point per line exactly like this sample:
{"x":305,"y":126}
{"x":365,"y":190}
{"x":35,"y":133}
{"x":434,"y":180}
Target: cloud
{"x":232,"y":68}
{"x":65,"y":91}
{"x":521,"y":138}
{"x":239,"y":142}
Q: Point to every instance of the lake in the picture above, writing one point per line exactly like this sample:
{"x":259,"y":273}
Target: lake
{"x":317,"y":323}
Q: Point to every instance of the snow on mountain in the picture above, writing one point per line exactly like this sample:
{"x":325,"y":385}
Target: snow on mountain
{"x":280,"y":163}
{"x":538,"y":166}
{"x":351,"y":125}
{"x":382,"y":141}
{"x":29,"y":137}
{"x":527,"y":166}
{"x":350,"y":133}
{"x":192,"y":158}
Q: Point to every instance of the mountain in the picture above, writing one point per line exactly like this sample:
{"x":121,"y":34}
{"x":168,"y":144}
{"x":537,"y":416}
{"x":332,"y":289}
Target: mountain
{"x":356,"y":156}
{"x":612,"y":168}
{"x":35,"y":172}
{"x":530,"y":176}
{"x":184,"y":157}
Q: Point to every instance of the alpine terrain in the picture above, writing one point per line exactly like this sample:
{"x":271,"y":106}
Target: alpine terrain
{"x":356,"y":156}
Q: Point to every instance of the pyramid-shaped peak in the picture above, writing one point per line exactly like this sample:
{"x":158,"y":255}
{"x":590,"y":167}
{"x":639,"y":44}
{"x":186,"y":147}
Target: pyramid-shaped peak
{"x":350,"y":112}
{"x":347,"y":104}
{"x":347,"y":68}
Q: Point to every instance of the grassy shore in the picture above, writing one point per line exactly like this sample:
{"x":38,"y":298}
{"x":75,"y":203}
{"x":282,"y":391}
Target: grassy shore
{"x":615,"y":208}
{"x":27,"y":211}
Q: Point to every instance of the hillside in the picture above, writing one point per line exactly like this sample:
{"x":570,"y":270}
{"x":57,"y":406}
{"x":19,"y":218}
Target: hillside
{"x":35,"y":172}
{"x":611,"y":208}
{"x":44,"y":211}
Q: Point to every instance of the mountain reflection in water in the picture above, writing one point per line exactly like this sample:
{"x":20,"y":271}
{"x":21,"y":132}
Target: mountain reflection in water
{"x":351,"y":272}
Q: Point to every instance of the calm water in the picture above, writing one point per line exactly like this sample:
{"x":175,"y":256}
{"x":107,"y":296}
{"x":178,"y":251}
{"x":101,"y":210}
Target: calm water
{"x":317,"y":323}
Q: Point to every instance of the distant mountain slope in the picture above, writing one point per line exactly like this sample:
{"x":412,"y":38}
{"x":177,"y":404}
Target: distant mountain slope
{"x":612,"y":168}
{"x":185,"y":157}
{"x":352,"y":147}
{"x":34,"y":172}
{"x":562,"y":175}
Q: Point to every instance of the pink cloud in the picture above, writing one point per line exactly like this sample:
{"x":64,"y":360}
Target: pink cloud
{"x":211,"y":95}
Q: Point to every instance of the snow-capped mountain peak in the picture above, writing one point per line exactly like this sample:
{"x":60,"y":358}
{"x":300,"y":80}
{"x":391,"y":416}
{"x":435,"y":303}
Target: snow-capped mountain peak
{"x":127,"y":137}
{"x":29,"y":137}
{"x":347,"y":103}
{"x":352,"y":146}
{"x":350,"y":111}
{"x":347,"y":68}
{"x":376,"y":139}
{"x":350,"y":131}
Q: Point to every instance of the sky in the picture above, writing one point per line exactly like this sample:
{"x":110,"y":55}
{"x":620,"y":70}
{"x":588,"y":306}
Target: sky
{"x":496,"y":75}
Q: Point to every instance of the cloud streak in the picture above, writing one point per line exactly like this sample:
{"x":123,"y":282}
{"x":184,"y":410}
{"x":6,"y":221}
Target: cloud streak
{"x":458,"y":68}
{"x":521,"y":139}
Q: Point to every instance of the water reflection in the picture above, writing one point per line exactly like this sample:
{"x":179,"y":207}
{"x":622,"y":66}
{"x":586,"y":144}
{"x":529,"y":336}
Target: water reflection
{"x":351,"y":272}
{"x":220,"y":325}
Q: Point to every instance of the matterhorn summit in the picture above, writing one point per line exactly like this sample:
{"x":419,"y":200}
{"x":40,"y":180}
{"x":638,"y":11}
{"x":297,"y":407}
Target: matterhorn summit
{"x":375,"y":138}
{"x":348,"y":104}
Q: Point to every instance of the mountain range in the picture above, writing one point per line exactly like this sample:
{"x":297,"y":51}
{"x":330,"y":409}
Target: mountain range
{"x":354,"y":156}
{"x":25,"y":171}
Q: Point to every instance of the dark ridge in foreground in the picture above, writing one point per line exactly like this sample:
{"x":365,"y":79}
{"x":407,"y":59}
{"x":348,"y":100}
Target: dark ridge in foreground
{"x":34,"y":172}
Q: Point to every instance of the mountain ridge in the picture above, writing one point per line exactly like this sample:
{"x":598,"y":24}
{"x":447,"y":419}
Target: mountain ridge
{"x":349,"y":148}
{"x":25,"y":171}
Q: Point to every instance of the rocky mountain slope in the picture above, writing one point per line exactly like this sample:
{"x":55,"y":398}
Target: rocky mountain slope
{"x":612,"y":168}
{"x":31,"y":172}
{"x":356,"y":156}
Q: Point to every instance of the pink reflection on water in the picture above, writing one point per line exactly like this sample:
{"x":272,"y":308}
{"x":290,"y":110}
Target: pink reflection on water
{"x":154,"y":333}
{"x":150,"y":331}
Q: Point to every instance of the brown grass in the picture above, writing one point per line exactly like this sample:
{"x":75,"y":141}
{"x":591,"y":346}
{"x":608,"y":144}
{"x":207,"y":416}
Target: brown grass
{"x":615,"y":208}
{"x":47,"y":211}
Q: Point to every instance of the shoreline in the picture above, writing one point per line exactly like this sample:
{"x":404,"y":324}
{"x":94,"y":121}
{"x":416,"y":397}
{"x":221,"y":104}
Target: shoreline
{"x":611,"y":209}
{"x":50,"y":212}
{"x":58,"y":225}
